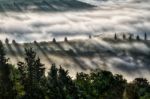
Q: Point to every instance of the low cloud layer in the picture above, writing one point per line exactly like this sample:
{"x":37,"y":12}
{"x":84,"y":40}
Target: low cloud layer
{"x":108,"y":17}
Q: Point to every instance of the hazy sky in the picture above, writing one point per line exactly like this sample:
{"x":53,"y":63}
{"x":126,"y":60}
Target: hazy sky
{"x":108,"y":17}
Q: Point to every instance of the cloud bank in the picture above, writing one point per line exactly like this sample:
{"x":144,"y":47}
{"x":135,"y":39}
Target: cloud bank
{"x":108,"y":17}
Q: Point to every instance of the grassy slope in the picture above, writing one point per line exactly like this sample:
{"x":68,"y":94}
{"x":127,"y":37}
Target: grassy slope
{"x":122,"y":57}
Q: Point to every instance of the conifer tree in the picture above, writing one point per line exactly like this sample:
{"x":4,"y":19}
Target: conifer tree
{"x":67,"y":85}
{"x":145,"y":36}
{"x":130,"y":36}
{"x":54,"y":40}
{"x":138,"y":37}
{"x":90,"y":36}
{"x":124,"y":36}
{"x":7,"y":88}
{"x":52,"y":83}
{"x":115,"y":37}
{"x":66,"y":40}
{"x":6,"y":41}
{"x":34,"y":72}
{"x":60,"y":85}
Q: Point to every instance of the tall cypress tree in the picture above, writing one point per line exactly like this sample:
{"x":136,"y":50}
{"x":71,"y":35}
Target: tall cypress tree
{"x":115,"y":36}
{"x":145,"y":36}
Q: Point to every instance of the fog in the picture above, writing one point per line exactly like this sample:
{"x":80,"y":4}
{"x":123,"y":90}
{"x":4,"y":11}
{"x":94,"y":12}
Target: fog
{"x":108,"y":17}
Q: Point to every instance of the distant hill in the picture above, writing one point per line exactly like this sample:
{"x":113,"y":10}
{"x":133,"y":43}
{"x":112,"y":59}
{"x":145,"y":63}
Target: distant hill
{"x":44,"y":5}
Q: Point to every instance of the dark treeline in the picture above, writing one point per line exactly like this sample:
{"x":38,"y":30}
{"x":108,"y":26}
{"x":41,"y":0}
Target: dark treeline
{"x":27,"y":80}
{"x":131,"y":37}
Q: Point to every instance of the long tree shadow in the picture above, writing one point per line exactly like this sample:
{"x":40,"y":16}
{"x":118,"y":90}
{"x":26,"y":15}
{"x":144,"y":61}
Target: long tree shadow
{"x":17,"y":46}
{"x":85,"y":53}
{"x":11,"y":50}
{"x":75,"y":59}
{"x":43,"y":52}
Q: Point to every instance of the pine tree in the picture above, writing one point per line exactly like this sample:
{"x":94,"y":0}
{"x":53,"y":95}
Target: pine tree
{"x":60,"y":84}
{"x":34,"y":73}
{"x":69,"y":90}
{"x":7,"y":88}
{"x":52,"y":83}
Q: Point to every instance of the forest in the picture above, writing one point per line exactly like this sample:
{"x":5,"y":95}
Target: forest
{"x":74,"y":49}
{"x":28,"y":80}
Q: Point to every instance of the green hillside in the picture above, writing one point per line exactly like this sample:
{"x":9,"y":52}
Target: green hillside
{"x":44,"y":5}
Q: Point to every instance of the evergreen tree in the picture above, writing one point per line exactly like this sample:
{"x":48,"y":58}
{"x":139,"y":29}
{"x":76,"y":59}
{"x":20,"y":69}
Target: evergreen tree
{"x":6,"y":41}
{"x":124,"y":36}
{"x":7,"y":88}
{"x":32,"y":71}
{"x":145,"y":36}
{"x":138,"y":37}
{"x":115,"y":37}
{"x":66,"y":40}
{"x":60,"y":85}
{"x":69,"y":90}
{"x":52,"y":83}
{"x":54,"y":40}
{"x":90,"y":36}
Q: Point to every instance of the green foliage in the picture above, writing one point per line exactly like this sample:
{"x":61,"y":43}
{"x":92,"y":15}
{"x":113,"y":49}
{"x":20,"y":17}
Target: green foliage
{"x":7,"y":86}
{"x":32,"y":73}
{"x":60,"y":85}
{"x":101,"y":84}
{"x":28,"y":81}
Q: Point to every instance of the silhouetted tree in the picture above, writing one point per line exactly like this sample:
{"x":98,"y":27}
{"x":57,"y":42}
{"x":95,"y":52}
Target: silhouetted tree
{"x":68,"y":87}
{"x":7,"y":88}
{"x":6,"y":41}
{"x":145,"y":36}
{"x":33,"y":73}
{"x":66,"y":40}
{"x":130,"y":36}
{"x":53,"y":91}
{"x":83,"y":81}
{"x":131,"y":92}
{"x":124,"y":36}
{"x":14,"y":42}
{"x":100,"y":85}
{"x":105,"y":84}
{"x":115,"y":37}
{"x":138,"y":37}
{"x":60,"y":85}
{"x":90,"y":36}
{"x":54,"y":40}
{"x":142,"y":86}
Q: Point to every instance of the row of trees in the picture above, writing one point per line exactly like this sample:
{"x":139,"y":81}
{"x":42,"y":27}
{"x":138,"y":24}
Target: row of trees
{"x":131,"y":37}
{"x":27,"y":80}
